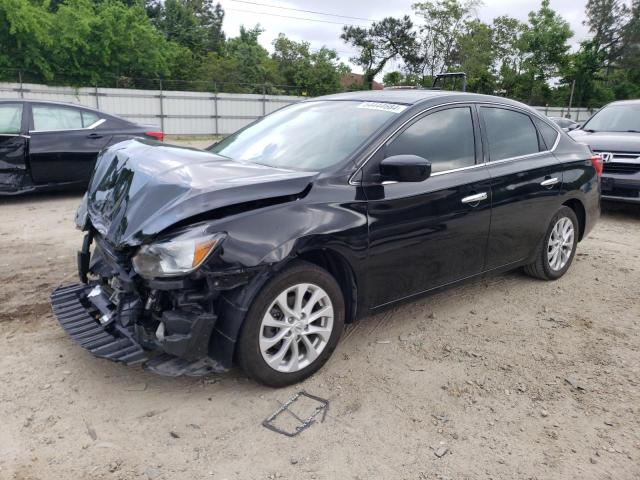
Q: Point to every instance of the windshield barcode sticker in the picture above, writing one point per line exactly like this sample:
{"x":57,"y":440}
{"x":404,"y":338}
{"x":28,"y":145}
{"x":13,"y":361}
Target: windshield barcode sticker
{"x":387,"y":107}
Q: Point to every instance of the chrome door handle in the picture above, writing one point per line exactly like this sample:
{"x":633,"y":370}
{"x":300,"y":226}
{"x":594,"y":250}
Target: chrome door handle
{"x":475,"y":198}
{"x":549,"y":182}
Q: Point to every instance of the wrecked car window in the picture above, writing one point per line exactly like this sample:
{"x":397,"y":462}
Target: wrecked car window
{"x":10,"y":118}
{"x":307,"y":136}
{"x":56,"y":118}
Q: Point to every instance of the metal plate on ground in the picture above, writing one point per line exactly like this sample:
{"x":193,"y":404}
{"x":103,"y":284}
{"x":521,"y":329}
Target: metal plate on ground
{"x":318,"y":407}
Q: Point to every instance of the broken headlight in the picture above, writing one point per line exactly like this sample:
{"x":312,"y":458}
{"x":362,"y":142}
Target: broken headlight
{"x":178,"y":254}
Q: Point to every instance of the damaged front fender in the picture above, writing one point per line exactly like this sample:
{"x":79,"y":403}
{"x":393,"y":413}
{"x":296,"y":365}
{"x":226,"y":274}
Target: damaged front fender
{"x":14,"y":174}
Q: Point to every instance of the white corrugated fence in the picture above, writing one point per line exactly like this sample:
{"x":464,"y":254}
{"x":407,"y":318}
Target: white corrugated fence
{"x":186,"y":113}
{"x":176,"y":112}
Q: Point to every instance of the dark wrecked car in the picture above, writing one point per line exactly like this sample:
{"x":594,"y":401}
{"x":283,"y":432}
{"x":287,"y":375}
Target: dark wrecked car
{"x":260,"y":250}
{"x":51,"y":145}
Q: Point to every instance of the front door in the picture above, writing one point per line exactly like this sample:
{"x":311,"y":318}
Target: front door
{"x":13,"y":146}
{"x":427,"y":234}
{"x":63,"y":148}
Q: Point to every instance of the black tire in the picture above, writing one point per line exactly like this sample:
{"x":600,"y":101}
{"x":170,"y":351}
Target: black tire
{"x":541,"y":268}
{"x":248,"y":354}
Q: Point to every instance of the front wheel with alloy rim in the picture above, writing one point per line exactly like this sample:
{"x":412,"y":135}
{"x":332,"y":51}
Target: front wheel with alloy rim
{"x":558,"y":247}
{"x":292,"y":326}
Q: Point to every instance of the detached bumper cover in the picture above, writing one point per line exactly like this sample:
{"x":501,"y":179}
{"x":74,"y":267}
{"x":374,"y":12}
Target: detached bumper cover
{"x":113,"y":342}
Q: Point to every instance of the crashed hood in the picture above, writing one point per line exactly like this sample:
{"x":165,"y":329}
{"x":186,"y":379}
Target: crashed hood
{"x":141,"y":188}
{"x":609,"y":141}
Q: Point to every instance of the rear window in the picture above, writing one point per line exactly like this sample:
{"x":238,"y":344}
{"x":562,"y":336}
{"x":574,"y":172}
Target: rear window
{"x":509,"y":133}
{"x":10,"y":118}
{"x":88,"y":118}
{"x":549,"y":134}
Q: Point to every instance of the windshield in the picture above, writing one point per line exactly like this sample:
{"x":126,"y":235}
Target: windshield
{"x":616,"y":118}
{"x":309,"y":135}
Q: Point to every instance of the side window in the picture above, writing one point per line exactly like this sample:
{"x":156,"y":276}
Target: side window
{"x":10,"y":118}
{"x":445,"y":138}
{"x":509,"y":133}
{"x":549,"y":134}
{"x":88,"y":118}
{"x":53,"y":117}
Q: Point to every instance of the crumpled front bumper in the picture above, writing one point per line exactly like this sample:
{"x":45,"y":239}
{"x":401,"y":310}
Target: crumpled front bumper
{"x":171,"y":325}
{"x":81,"y":321}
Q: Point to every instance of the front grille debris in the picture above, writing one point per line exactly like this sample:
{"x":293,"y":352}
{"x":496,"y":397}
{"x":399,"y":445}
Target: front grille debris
{"x":322,"y":406}
{"x":85,"y":330}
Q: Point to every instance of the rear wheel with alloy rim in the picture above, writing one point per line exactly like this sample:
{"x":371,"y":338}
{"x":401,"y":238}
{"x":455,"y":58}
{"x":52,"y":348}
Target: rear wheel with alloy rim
{"x":558,"y":247}
{"x":293,"y":326}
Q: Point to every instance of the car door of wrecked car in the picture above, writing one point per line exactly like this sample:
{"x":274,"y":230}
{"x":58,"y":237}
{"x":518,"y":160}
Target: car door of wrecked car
{"x":65,"y":142}
{"x":13,"y":147}
{"x":427,"y":234}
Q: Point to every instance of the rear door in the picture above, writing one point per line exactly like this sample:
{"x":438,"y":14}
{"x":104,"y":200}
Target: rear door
{"x":64,"y":144}
{"x":13,"y":145}
{"x":526,"y":181}
{"x":428,"y":234}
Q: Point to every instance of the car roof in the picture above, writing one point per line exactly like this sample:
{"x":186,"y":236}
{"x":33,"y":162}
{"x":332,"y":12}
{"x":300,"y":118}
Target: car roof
{"x":66,"y":104}
{"x":50,"y":102}
{"x":635,"y":101}
{"x":416,"y":96}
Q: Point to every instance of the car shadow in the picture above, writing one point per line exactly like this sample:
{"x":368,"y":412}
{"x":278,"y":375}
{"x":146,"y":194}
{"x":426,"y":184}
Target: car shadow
{"x":31,"y":197}
{"x":621,"y":211}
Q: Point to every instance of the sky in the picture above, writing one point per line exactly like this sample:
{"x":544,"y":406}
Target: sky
{"x":327,"y":32}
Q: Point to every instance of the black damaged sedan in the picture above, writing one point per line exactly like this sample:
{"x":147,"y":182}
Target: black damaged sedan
{"x":259,"y":251}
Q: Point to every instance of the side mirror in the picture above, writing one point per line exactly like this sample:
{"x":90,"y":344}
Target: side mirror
{"x":573,"y":127}
{"x":405,"y":168}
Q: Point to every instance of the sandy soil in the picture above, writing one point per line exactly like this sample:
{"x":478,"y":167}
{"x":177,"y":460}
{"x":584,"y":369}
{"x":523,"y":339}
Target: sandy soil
{"x":503,"y":378}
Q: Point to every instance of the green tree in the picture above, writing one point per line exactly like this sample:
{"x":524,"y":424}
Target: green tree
{"x":194,"y":24}
{"x":25,"y":37}
{"x":474,"y":54}
{"x":243,"y":66}
{"x":510,"y":53}
{"x":546,"y":45}
{"x":443,"y":22}
{"x":313,"y":73}
{"x":607,"y":20}
{"x":380,"y":43}
{"x":391,"y":79}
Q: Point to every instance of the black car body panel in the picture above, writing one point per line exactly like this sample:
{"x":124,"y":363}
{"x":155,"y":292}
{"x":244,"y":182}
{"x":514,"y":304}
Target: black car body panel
{"x":620,"y":152}
{"x":40,"y":159}
{"x":141,"y":188}
{"x":382,"y":241}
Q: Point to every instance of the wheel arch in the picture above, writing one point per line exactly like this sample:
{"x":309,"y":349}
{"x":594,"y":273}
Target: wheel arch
{"x":340,"y":268}
{"x":233,"y":305}
{"x":581,"y":213}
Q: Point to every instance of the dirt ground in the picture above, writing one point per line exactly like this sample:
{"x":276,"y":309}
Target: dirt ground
{"x":503,"y":378}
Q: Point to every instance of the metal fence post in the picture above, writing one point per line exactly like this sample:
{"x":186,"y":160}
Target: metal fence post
{"x":161,"y":108}
{"x":95,"y":92}
{"x":21,"y":88}
{"x":264,"y":99}
{"x":215,"y":107}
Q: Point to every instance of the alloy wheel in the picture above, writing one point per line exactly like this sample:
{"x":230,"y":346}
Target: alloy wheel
{"x":560,"y":244}
{"x":296,"y":327}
